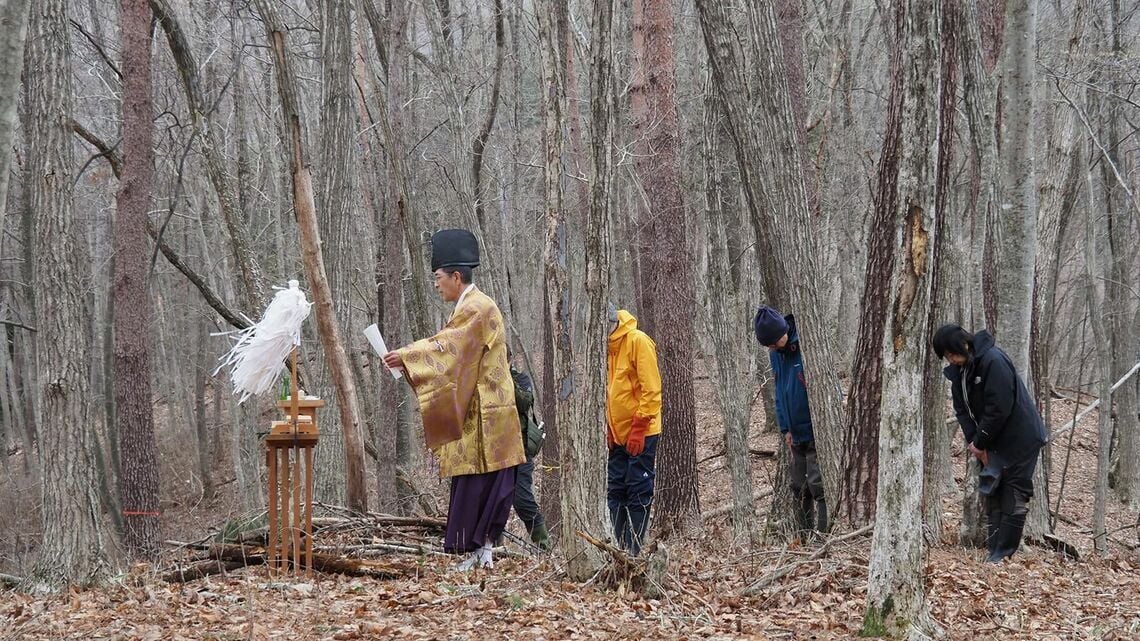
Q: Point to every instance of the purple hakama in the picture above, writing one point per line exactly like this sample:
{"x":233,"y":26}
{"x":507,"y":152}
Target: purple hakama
{"x":479,"y":508}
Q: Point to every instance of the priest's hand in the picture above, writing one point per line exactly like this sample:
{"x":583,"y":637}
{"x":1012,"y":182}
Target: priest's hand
{"x":392,"y":360}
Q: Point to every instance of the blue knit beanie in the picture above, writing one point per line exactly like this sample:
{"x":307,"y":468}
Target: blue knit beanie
{"x":769,"y":325}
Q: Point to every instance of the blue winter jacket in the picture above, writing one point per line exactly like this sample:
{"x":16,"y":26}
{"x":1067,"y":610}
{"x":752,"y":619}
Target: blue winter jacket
{"x":792,"y":412}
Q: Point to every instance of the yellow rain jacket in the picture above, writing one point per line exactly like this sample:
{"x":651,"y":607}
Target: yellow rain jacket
{"x":633,"y":382}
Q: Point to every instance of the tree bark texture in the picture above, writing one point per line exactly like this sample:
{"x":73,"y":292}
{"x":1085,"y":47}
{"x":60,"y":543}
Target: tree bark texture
{"x":313,"y":259}
{"x":1016,"y":215}
{"x":864,"y":403}
{"x":1122,"y":287}
{"x":670,"y":275}
{"x":772,"y":174}
{"x":1095,"y":297}
{"x":138,"y":482}
{"x":726,"y":321}
{"x":582,"y":477}
{"x":937,"y":433}
{"x":14,"y":23}
{"x":1015,"y":243}
{"x":71,"y":551}
{"x":338,"y":216}
{"x":896,"y":600}
{"x":980,"y":96}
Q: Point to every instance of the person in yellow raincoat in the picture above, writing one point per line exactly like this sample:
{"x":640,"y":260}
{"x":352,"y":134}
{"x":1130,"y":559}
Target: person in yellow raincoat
{"x":463,"y":384}
{"x":633,"y":413}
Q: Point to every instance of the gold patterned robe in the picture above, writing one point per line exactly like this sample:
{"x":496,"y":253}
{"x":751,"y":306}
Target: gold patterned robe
{"x":463,"y":384}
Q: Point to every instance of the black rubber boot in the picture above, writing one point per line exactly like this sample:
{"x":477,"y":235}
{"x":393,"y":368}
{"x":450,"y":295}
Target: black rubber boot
{"x":1008,"y":537}
{"x":541,"y":537}
{"x":993,"y":522}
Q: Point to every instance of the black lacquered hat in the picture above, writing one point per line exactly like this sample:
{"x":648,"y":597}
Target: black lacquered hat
{"x":454,"y":248}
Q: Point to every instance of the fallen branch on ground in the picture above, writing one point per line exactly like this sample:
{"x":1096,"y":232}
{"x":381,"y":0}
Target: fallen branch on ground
{"x":10,"y":581}
{"x":643,"y":574}
{"x":784,"y":570}
{"x":200,"y":570}
{"x":725,"y":509}
{"x":1055,"y":543}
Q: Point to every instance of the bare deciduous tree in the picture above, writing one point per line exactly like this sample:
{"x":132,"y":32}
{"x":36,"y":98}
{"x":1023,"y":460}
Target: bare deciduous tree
{"x":72,"y":547}
{"x":896,"y":600}
{"x":138,"y":467}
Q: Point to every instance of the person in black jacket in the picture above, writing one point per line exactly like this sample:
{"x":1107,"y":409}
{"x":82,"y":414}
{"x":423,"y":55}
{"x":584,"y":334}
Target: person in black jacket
{"x":1002,"y":429}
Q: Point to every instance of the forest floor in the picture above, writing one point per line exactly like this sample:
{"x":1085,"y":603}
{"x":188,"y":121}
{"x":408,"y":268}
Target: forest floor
{"x":1036,"y":595}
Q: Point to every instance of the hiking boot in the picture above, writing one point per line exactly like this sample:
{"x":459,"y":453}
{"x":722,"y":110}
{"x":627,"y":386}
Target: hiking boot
{"x":541,"y":537}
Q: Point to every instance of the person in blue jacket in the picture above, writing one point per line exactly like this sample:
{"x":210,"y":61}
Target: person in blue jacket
{"x":1001,"y":425}
{"x":778,"y":333}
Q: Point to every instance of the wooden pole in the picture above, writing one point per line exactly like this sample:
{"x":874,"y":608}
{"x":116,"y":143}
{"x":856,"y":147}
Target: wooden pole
{"x":286,"y":480}
{"x":296,"y":538}
{"x":274,"y":533}
{"x":309,"y":511}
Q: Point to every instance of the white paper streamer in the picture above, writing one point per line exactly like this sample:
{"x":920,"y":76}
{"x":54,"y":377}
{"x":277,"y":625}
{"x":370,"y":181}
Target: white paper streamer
{"x":258,"y":358}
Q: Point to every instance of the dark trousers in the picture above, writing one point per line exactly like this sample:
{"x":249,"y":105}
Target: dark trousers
{"x":807,"y":488}
{"x":629,"y":493}
{"x":1007,"y":507}
{"x":526,"y":506}
{"x":804,"y":474}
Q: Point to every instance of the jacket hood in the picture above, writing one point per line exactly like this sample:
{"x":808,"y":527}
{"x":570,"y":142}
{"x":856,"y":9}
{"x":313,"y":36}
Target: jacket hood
{"x":626,"y":324}
{"x":793,"y":333}
{"x":982,"y":343}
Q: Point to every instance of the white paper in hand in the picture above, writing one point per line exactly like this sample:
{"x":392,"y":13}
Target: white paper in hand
{"x":372,"y":333}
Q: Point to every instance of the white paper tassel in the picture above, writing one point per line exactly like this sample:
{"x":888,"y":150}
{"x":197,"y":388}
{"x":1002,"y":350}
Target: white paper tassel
{"x":258,"y":358}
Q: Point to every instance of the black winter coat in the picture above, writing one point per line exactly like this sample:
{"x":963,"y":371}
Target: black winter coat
{"x":994,"y":407}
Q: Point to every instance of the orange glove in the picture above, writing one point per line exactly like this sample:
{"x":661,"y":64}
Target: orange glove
{"x":635,"y":444}
{"x":609,"y":438}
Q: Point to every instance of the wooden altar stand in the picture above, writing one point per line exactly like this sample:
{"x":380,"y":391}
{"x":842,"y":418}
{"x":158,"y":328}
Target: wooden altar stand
{"x":289,"y":457}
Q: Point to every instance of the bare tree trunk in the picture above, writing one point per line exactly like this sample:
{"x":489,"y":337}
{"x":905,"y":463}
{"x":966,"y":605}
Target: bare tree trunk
{"x":580,"y":434}
{"x":138,"y":459}
{"x":14,"y":17}
{"x":979,"y":95}
{"x":201,"y":421}
{"x":1059,"y":192}
{"x":72,"y":546}
{"x":1122,"y":289}
{"x":896,"y":600}
{"x":343,"y":379}
{"x":1015,"y":246}
{"x":1095,"y":295}
{"x":937,"y":433}
{"x":338,"y":205}
{"x":724,"y":322}
{"x":670,"y":276}
{"x":772,"y":175}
